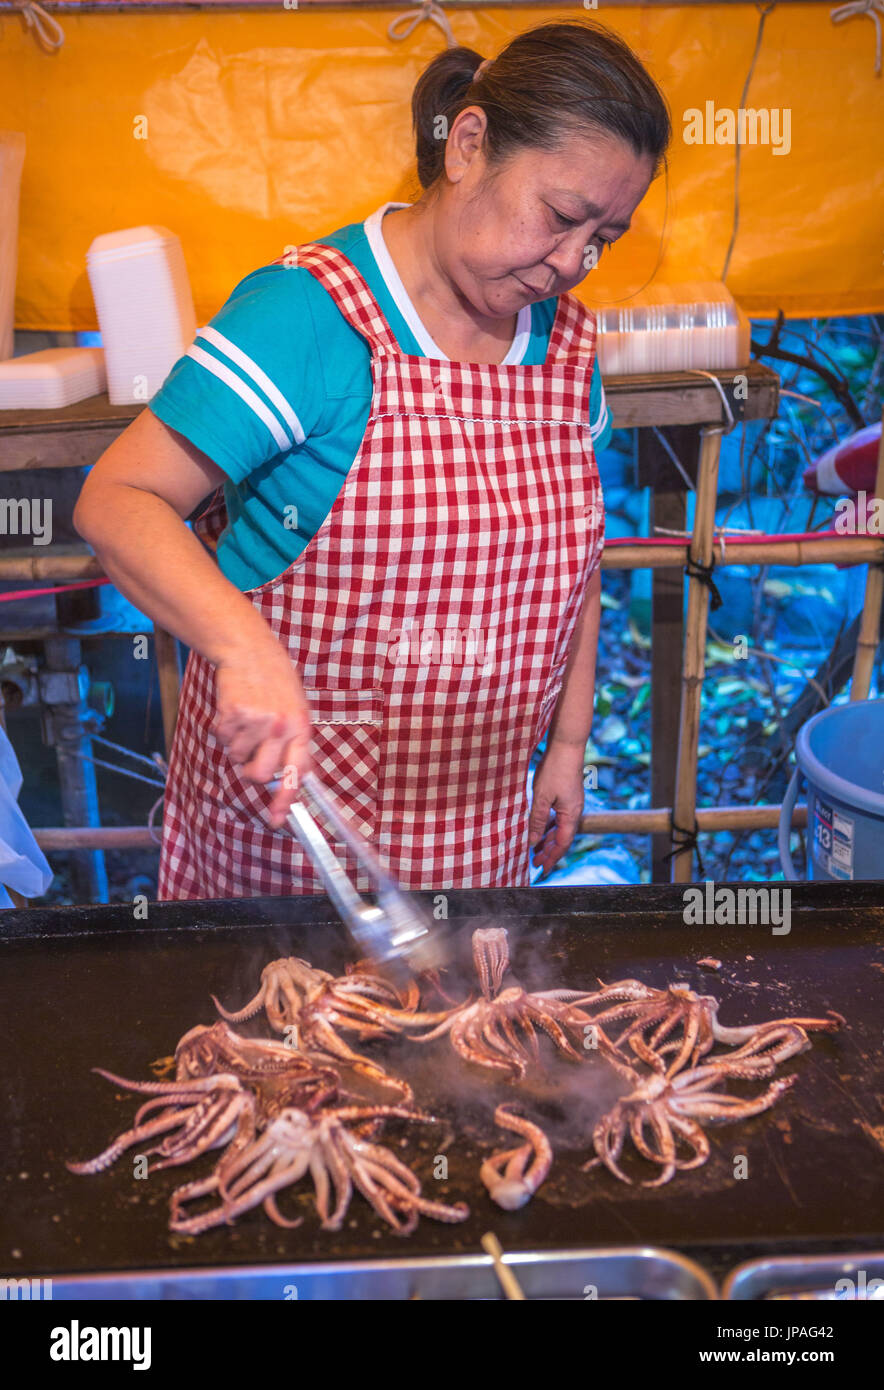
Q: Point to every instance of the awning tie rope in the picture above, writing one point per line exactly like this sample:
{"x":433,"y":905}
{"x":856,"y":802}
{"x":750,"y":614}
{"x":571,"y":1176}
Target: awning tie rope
{"x":47,"y":31}
{"x":872,"y":8}
{"x":412,"y":18}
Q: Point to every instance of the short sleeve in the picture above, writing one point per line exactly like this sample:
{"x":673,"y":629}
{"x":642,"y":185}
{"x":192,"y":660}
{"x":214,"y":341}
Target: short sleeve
{"x":249,"y":388}
{"x":600,"y":427}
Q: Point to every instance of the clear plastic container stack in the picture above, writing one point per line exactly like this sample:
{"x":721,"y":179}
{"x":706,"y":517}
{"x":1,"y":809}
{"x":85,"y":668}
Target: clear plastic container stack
{"x":673,"y":328}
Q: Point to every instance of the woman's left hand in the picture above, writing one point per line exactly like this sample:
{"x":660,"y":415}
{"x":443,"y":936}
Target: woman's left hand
{"x":556,"y":803}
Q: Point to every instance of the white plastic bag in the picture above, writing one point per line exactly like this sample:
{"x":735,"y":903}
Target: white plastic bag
{"x":23,"y":864}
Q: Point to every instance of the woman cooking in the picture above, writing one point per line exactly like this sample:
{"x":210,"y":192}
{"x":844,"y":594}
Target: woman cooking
{"x":403,"y":414}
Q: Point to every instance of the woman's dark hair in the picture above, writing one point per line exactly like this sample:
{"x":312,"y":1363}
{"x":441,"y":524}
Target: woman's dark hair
{"x":551,"y":81}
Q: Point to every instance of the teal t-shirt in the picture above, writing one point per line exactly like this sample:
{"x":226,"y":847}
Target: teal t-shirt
{"x":276,"y":390}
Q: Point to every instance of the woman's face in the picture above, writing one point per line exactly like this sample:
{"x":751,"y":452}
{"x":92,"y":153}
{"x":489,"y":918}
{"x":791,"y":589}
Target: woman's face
{"x":523,"y":232}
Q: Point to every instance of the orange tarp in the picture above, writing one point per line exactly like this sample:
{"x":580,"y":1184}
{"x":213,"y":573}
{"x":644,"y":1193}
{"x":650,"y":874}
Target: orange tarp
{"x":267,"y":129}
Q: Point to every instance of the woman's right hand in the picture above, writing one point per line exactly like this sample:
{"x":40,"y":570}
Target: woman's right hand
{"x":263,"y":720}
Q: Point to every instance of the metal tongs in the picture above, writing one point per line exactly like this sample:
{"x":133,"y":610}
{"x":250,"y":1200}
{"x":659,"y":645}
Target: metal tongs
{"x":396,"y":932}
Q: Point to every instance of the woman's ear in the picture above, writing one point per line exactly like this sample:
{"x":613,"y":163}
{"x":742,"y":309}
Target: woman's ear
{"x":465,"y":142}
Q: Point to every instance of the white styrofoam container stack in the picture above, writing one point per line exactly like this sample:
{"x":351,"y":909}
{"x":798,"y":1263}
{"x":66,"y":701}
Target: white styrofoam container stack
{"x":12,"y":158}
{"x":51,"y":378}
{"x":673,"y":328}
{"x":145,"y":308}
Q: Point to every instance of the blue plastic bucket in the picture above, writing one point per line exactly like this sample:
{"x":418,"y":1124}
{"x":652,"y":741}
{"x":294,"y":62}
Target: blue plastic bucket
{"x":841,"y":753}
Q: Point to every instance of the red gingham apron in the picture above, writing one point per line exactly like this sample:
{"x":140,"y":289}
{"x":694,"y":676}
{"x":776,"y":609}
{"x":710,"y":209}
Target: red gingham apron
{"x":430,"y":618}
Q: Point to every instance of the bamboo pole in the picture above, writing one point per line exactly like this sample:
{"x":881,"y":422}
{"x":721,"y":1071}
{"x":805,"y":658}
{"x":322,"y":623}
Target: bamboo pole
{"x":648,"y":822}
{"x":827,"y":550}
{"x":711,"y":818}
{"x":69,"y":837}
{"x":870,"y":625}
{"x":831,"y":550}
{"x":51,"y":569}
{"x":169,"y":671}
{"x":694,"y":661}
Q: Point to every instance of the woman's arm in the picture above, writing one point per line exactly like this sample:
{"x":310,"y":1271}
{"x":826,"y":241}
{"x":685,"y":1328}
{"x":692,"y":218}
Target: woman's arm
{"x":132,"y":511}
{"x":558,"y":781}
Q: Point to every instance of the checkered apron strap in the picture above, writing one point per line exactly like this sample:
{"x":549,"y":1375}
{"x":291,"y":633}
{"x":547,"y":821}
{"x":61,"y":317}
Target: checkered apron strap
{"x":341,"y":280}
{"x":572,"y":339}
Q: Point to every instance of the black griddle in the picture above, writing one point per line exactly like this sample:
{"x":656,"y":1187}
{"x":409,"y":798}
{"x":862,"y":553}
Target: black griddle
{"x":91,"y":986}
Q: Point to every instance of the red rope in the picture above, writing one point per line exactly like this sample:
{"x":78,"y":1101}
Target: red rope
{"x":56,"y":589}
{"x":680,"y":542}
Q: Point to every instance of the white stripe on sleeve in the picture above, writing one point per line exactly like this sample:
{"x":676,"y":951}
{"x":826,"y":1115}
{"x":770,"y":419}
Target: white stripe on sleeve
{"x":598,"y":426}
{"x":245,"y":393}
{"x":259,"y":377}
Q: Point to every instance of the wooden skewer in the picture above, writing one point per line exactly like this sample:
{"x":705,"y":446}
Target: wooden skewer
{"x":508,"y":1281}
